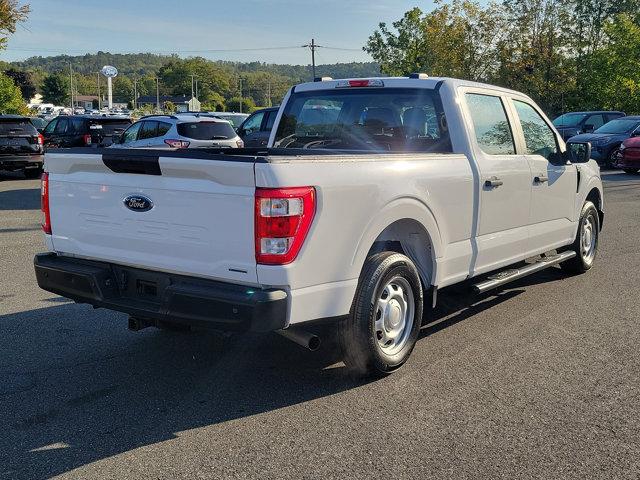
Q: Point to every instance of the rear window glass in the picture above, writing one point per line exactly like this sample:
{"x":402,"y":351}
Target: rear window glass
{"x":17,"y":127}
{"x":378,"y":119}
{"x":206,"y":130}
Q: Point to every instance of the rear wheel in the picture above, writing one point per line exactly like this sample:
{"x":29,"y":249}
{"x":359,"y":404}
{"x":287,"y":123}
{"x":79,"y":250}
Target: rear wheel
{"x":631,"y":171}
{"x":385,"y":320}
{"x":586,"y":242}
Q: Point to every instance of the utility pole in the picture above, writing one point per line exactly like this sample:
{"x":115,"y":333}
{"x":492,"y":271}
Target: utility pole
{"x":312,"y":46}
{"x":135,"y":93}
{"x":241,"y":97}
{"x":192,"y":80}
{"x":71,"y":85}
{"x":157,"y":94}
{"x":196,"y":87}
{"x":99,"y":102}
{"x":269,"y":93}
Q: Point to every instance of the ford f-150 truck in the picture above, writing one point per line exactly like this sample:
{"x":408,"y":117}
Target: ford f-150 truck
{"x":371,"y":195}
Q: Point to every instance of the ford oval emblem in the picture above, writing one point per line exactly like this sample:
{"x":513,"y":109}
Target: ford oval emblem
{"x":138,"y":203}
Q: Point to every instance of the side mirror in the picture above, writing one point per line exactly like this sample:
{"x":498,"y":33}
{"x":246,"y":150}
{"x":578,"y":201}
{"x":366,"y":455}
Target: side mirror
{"x":588,"y":127}
{"x":578,"y":152}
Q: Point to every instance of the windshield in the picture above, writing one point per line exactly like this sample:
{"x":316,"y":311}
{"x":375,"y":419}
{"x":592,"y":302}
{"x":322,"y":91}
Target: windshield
{"x":569,"y":119}
{"x":207,"y":130}
{"x":622,"y":126}
{"x":378,"y":119}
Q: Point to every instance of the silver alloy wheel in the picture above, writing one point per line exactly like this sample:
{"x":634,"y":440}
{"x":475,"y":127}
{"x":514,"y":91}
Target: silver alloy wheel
{"x":589,"y":238}
{"x":394,"y":313}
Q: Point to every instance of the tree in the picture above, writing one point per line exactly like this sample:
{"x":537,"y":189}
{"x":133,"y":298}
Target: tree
{"x":11,"y":13}
{"x":55,"y":89}
{"x":10,"y":98}
{"x":457,"y":39}
{"x":248,"y":105}
{"x":23,"y":80}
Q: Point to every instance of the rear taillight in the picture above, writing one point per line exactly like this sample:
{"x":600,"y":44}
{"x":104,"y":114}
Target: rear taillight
{"x":40,"y":139}
{"x":283,"y":217}
{"x":44,"y":200}
{"x":177,"y":143}
{"x":86,"y":139}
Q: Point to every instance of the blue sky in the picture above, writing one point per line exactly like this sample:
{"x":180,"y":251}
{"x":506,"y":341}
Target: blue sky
{"x":173,"y":26}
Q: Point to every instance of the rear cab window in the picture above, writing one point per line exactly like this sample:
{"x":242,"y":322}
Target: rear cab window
{"x":206,"y":130}
{"x":365,"y":119}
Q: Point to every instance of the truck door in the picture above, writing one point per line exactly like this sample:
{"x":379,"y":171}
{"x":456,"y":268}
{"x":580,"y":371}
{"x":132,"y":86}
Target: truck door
{"x":553,"y":181}
{"x":501,"y":235}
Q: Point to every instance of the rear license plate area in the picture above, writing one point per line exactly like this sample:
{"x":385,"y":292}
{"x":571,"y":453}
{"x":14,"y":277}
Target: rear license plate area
{"x":148,"y":286}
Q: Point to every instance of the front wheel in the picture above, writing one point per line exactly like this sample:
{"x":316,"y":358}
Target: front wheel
{"x":382,"y":329}
{"x":586,"y":242}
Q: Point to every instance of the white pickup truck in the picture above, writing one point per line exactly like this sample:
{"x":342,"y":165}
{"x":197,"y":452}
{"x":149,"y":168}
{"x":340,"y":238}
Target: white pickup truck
{"x":371,"y":196}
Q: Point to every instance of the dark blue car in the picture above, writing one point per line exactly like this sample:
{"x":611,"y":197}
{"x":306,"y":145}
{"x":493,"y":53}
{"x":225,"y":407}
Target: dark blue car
{"x":575,"y":123}
{"x":606,"y":140}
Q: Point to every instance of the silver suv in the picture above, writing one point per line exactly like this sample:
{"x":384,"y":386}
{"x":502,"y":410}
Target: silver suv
{"x":184,"y":131}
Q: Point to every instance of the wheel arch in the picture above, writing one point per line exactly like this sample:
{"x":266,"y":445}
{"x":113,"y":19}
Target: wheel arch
{"x":406,"y":226}
{"x":595,"y":196}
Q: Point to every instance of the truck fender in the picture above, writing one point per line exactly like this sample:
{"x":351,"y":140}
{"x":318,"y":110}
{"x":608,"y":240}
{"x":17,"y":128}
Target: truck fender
{"x":398,"y":210}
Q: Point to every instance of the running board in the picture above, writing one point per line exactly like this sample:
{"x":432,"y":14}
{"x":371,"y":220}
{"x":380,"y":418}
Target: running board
{"x":507,"y":276}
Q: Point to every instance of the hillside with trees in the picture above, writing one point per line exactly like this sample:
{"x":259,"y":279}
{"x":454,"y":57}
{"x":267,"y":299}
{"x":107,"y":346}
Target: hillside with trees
{"x":218,"y":83}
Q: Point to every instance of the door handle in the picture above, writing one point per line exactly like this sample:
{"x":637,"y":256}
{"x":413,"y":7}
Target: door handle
{"x":540,"y":178}
{"x":493,"y":182}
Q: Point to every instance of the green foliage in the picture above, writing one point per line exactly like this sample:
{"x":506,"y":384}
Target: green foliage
{"x":11,"y":14}
{"x":10,"y":97}
{"x":248,"y":105}
{"x":24,"y":81}
{"x":581,"y":54}
{"x":55,"y":89}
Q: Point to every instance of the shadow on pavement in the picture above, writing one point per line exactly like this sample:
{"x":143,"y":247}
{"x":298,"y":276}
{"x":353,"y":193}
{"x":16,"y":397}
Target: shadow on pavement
{"x":22,"y":199}
{"x":77,"y":387}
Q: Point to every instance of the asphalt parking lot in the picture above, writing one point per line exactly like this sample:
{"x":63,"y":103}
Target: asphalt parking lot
{"x":540,"y":380}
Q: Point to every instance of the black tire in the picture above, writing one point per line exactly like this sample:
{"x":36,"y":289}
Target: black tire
{"x":360,"y":340}
{"x":631,"y":171}
{"x":581,"y":262}
{"x":33,"y":172}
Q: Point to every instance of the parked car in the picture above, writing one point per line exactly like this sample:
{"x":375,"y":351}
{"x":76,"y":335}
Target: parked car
{"x":575,"y":123}
{"x":628,"y":155}
{"x":83,"y":131}
{"x":21,"y":145}
{"x":179,"y":131}
{"x":234,"y":118}
{"x":606,"y":139}
{"x":39,"y":123}
{"x":255,"y":130}
{"x":419,"y":183}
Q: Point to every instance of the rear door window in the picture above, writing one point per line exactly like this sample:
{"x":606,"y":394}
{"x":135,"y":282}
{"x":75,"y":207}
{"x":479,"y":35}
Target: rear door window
{"x":163,"y":128}
{"x":206,"y":130}
{"x":271,"y":118}
{"x":149,"y":129}
{"x":78,"y":125}
{"x":492,"y":129}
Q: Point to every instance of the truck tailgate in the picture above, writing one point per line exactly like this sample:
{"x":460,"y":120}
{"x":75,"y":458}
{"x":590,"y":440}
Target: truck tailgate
{"x":200,"y":220}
